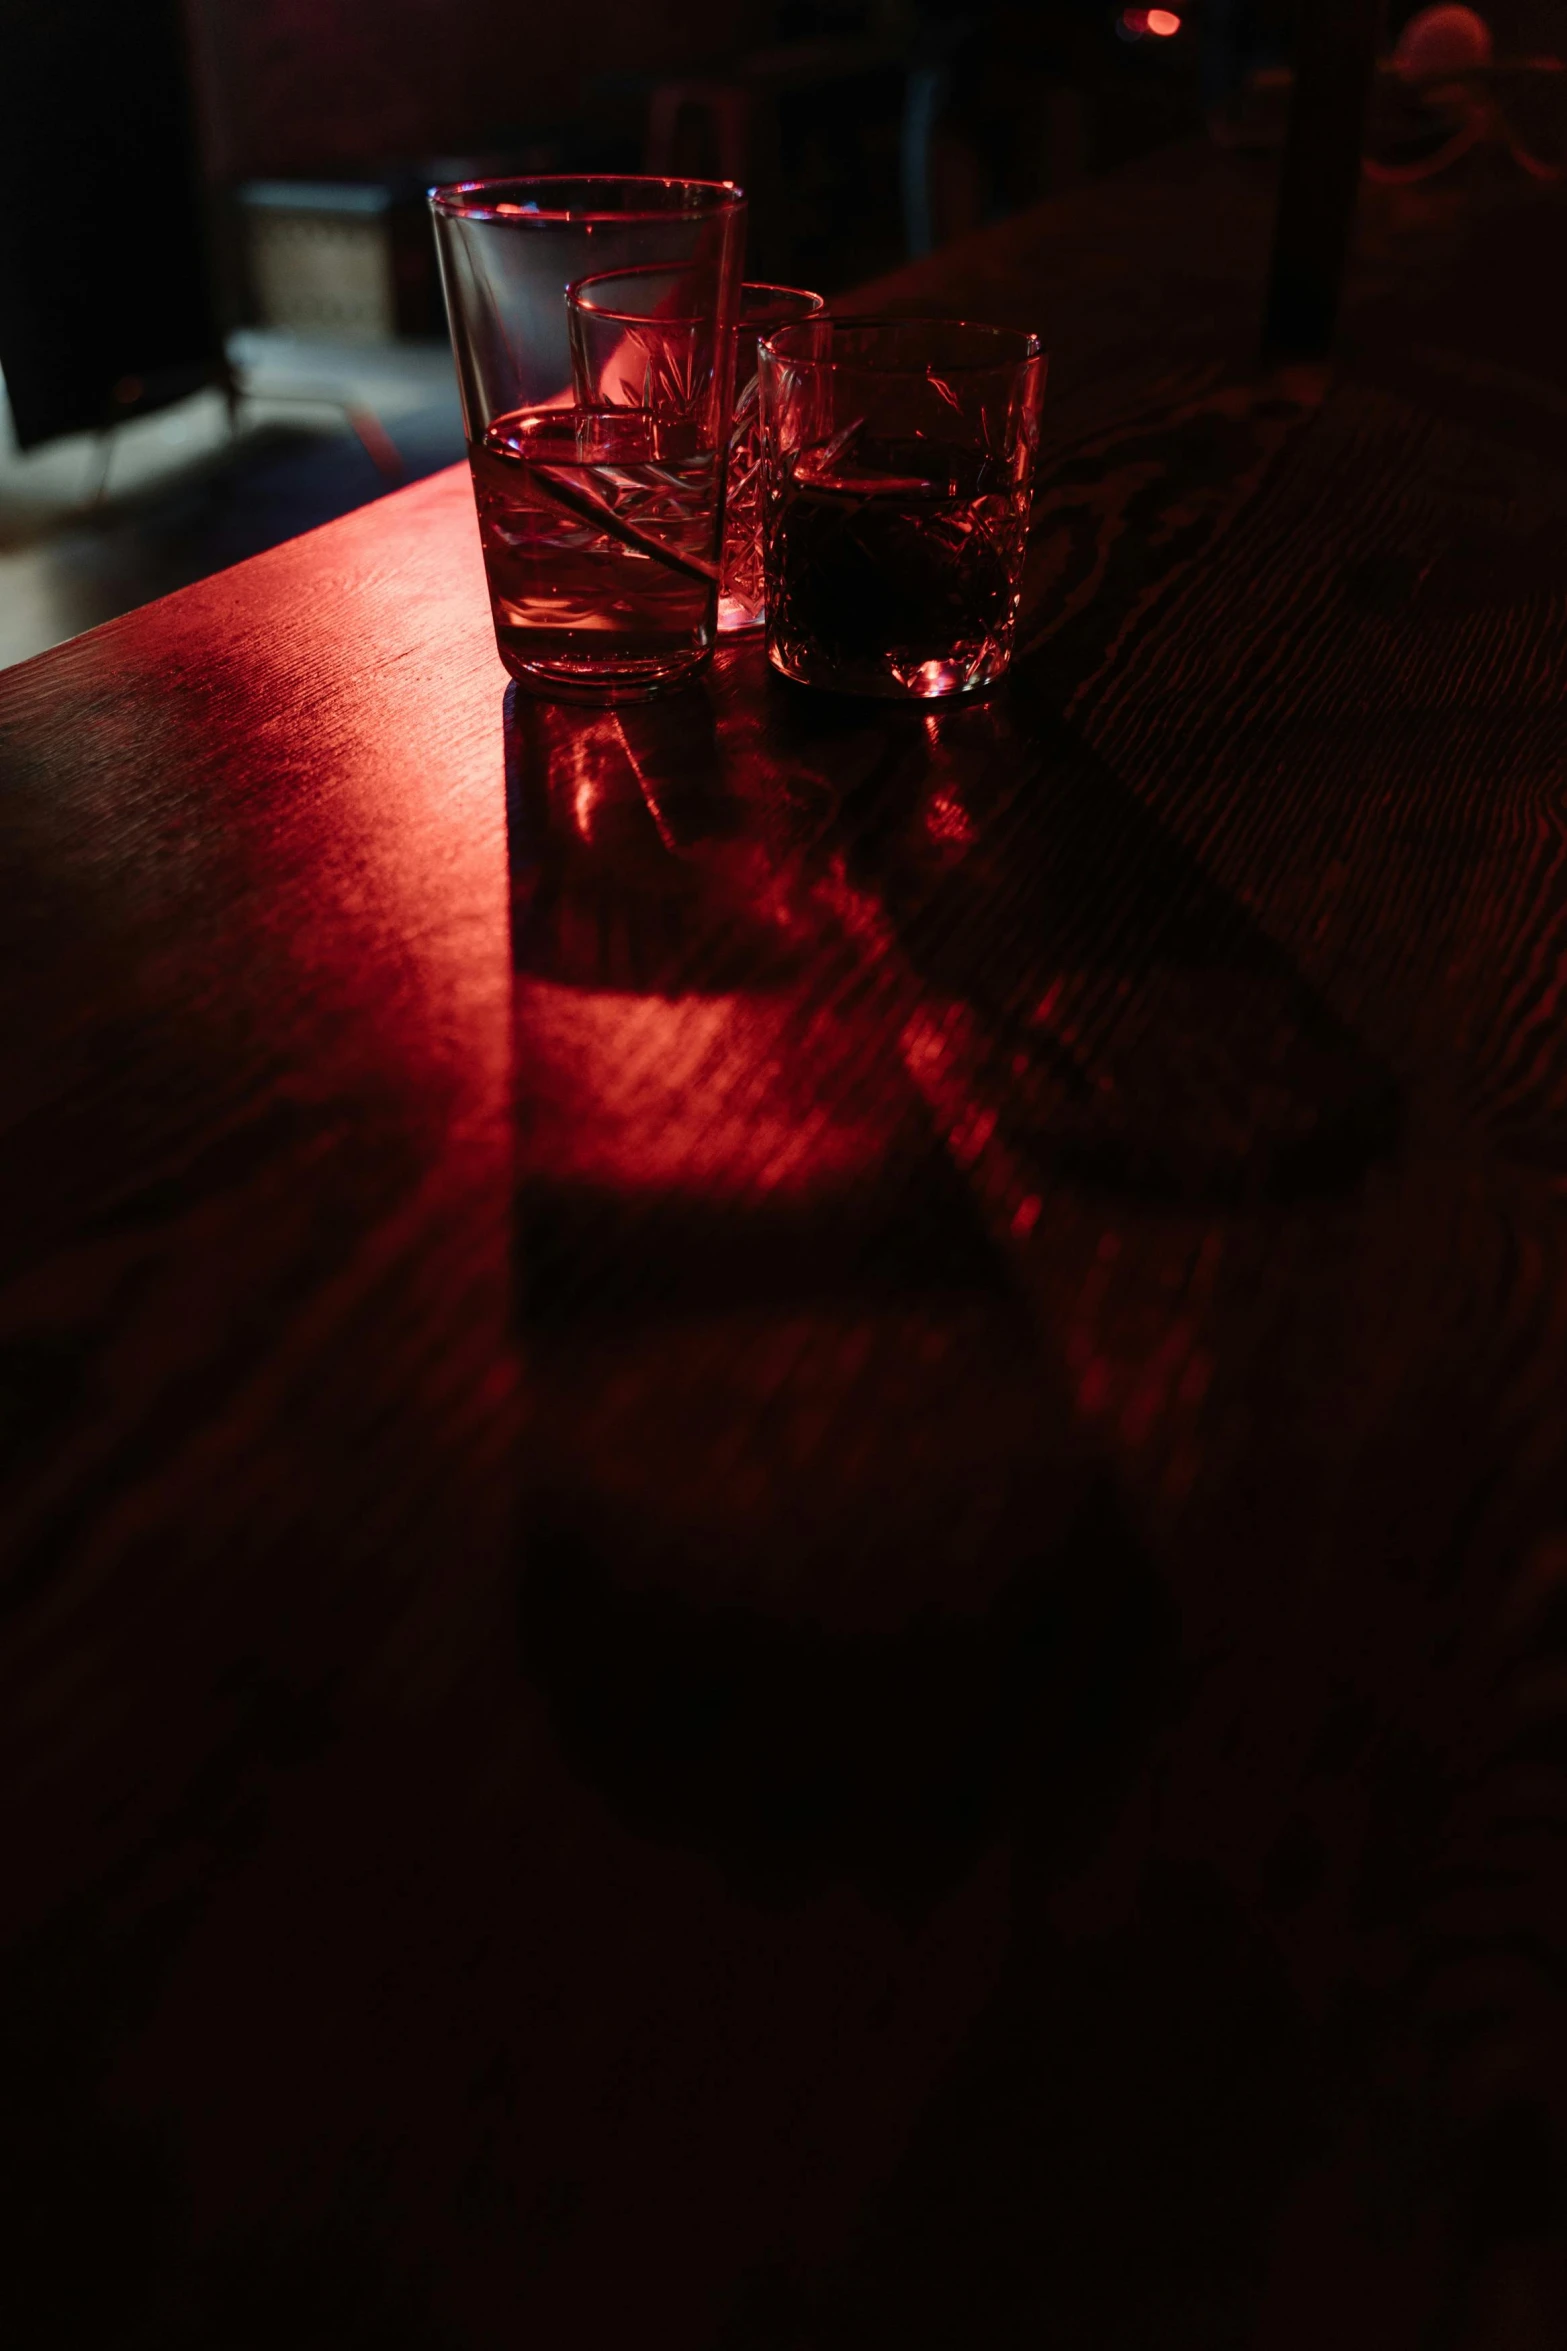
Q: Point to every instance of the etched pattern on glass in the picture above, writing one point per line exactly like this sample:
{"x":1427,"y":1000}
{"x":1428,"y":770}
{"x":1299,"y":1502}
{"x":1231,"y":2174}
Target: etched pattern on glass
{"x":597,"y":533}
{"x":742,"y":591}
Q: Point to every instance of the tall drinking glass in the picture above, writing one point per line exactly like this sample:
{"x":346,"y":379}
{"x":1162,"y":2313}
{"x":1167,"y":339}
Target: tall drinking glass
{"x":597,"y":443}
{"x":897,"y":457}
{"x":741,"y":593}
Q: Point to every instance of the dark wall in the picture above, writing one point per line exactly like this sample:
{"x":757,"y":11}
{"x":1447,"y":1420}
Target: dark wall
{"x":302,"y":86}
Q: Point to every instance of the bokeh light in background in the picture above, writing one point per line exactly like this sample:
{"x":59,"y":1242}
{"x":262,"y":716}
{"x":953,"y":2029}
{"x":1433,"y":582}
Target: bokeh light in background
{"x":1134,"y":23}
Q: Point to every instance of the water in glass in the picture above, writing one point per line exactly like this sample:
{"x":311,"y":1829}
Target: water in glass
{"x":598,"y":532}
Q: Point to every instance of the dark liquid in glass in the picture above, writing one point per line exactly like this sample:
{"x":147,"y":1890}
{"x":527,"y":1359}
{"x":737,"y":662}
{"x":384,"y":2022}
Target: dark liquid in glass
{"x":894,"y":566}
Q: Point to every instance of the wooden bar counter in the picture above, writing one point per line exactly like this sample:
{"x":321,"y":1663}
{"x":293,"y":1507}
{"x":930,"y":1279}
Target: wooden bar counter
{"x":785,"y":1532}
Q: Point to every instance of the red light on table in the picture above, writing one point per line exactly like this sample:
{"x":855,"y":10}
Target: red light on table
{"x":1133,"y":23}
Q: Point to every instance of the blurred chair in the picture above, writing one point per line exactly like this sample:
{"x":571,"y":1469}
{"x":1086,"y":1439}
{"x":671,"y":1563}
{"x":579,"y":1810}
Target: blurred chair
{"x":713,"y":117}
{"x":998,"y":113}
{"x":746,"y":124}
{"x":1454,"y":96}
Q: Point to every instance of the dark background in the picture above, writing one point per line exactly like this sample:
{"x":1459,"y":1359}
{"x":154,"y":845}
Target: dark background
{"x":134,"y":133}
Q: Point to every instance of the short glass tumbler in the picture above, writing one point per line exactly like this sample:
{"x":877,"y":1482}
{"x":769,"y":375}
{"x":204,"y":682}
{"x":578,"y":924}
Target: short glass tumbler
{"x":741,"y":593}
{"x":897,"y":461}
{"x":597,"y":433}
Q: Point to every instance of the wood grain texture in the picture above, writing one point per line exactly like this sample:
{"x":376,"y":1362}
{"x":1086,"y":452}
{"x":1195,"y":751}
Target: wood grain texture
{"x":786,"y":1503}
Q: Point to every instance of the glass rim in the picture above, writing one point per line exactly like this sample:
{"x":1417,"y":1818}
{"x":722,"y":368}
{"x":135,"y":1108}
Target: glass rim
{"x":783,"y":294}
{"x":634,"y":318}
{"x":488,"y":200}
{"x":1027,"y":346}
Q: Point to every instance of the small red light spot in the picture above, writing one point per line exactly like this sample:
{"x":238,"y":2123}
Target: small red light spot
{"x":1025,"y":1216}
{"x":1162,"y":22}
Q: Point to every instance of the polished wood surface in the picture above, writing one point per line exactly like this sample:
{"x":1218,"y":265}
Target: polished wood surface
{"x":786,"y":1524}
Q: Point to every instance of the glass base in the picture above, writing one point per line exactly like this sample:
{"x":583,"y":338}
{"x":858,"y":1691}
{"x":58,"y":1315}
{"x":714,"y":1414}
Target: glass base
{"x":737,"y":618}
{"x":930,"y":681}
{"x":604,"y":683}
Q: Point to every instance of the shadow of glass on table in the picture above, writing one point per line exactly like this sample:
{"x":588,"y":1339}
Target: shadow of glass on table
{"x":821,"y":1578}
{"x":799,"y":1483}
{"x":814,"y":1004}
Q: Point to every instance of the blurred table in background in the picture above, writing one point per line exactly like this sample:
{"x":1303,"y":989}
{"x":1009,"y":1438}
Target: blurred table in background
{"x":787,"y":1489}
